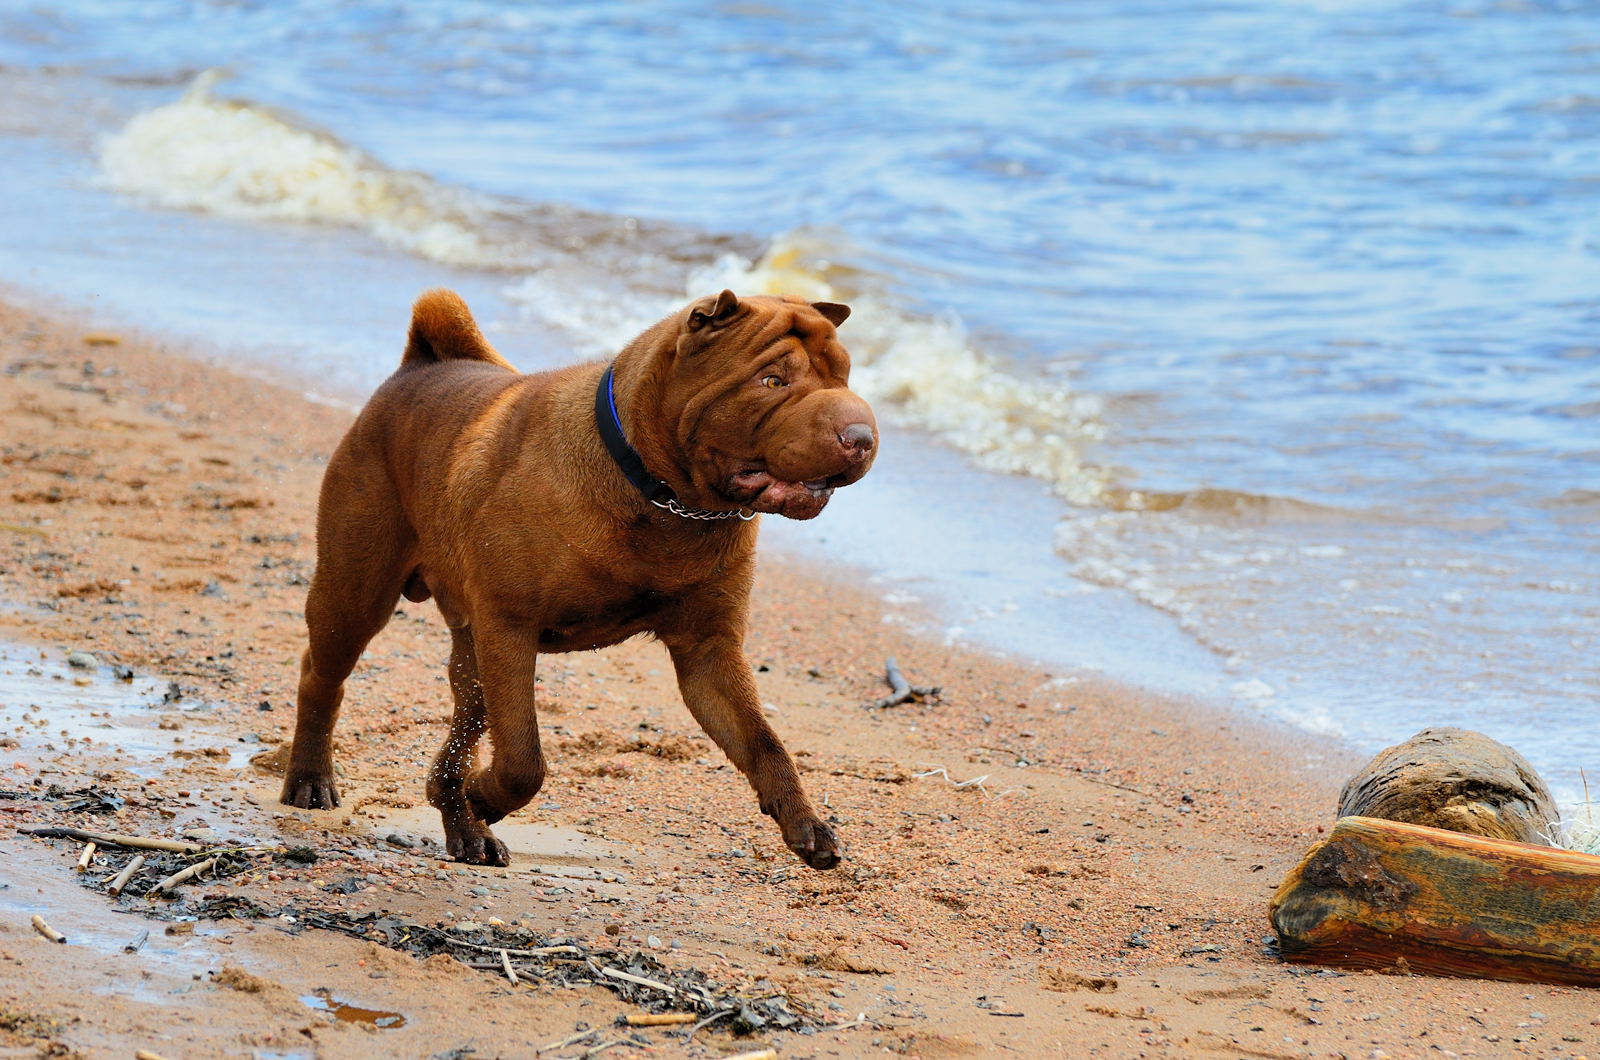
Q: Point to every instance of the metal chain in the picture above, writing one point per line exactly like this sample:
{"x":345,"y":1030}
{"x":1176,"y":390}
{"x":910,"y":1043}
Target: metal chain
{"x":701,"y":513}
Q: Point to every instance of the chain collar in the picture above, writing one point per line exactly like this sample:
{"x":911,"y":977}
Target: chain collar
{"x":632,"y":466}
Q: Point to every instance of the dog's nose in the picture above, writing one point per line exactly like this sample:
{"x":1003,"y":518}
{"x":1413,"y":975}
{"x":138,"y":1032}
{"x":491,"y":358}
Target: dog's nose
{"x":858,"y":438}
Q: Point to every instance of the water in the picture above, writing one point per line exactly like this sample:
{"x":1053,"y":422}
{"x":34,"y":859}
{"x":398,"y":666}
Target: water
{"x":1279,"y":318}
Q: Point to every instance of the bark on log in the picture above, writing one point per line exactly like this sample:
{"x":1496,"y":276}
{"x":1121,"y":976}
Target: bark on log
{"x":1393,"y":896}
{"x":1455,"y":779}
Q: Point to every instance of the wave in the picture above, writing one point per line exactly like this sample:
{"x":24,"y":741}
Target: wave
{"x":1226,"y":504}
{"x":240,"y":160}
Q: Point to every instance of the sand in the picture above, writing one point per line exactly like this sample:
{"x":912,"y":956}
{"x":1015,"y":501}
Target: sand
{"x":1100,"y":891}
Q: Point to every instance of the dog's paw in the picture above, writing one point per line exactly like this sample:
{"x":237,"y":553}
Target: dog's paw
{"x":310,"y":792}
{"x":477,"y":846}
{"x":813,"y":843}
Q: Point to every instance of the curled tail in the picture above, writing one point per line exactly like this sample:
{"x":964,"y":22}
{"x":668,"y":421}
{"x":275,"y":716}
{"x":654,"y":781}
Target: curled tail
{"x":442,"y":329}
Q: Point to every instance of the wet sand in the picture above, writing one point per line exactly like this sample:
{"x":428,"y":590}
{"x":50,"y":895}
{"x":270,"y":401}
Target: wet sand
{"x":156,"y":511}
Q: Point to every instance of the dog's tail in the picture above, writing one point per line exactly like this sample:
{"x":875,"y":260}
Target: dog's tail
{"x":442,"y":329}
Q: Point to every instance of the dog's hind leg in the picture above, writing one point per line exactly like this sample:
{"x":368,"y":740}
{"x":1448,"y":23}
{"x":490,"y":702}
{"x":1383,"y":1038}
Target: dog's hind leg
{"x":363,"y":558}
{"x":720,"y":691}
{"x":466,"y":837}
{"x":508,"y":656}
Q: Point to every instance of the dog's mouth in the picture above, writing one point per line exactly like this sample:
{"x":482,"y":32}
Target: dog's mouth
{"x":758,"y":489}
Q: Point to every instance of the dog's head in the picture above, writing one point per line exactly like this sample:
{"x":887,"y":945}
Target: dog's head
{"x":754,"y":407}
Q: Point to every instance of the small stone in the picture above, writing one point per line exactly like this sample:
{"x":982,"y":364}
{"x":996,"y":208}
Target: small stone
{"x":395,"y":839}
{"x":478,"y":892}
{"x":613,"y":929}
{"x":465,"y":925}
{"x":653,"y":942}
{"x":82,"y":660}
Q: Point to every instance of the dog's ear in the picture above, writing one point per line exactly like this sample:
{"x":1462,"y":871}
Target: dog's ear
{"x":836,"y":312}
{"x":715,"y":311}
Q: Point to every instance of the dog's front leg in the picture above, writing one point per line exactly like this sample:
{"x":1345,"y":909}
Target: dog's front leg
{"x":720,"y":691}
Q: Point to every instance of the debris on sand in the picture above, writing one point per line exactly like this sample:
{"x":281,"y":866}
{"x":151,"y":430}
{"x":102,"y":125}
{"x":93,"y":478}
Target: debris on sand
{"x":516,"y":954}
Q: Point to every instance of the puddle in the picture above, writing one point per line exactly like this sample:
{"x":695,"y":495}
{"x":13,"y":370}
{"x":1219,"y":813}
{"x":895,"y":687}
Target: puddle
{"x":103,"y":936}
{"x":50,"y":707}
{"x":537,"y":848}
{"x":323,"y":1001}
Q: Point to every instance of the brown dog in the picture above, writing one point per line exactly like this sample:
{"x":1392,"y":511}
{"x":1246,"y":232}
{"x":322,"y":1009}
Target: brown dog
{"x":571,"y":510}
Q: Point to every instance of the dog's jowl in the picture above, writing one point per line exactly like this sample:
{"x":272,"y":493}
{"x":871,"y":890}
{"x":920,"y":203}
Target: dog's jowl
{"x":571,"y":510}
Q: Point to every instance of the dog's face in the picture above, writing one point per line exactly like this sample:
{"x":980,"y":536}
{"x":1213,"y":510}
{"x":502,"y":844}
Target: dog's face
{"x":759,"y":401}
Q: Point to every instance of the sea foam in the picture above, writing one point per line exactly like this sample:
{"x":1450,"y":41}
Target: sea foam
{"x":237,"y":159}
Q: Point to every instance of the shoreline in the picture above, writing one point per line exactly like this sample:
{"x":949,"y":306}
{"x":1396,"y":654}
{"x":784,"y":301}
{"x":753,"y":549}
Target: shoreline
{"x":158,"y":513}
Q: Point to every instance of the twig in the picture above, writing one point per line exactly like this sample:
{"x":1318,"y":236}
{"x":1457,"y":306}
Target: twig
{"x":135,"y":944}
{"x":975,"y":782}
{"x":631,"y":978}
{"x":184,"y":875}
{"x":125,"y":875}
{"x":902,"y":690}
{"x":603,"y":1046}
{"x":145,"y":1054}
{"x":18,"y":528}
{"x":708,"y":1021}
{"x":46,"y":930}
{"x":505,"y":963}
{"x":86,"y":857}
{"x":1084,"y":774}
{"x":137,"y":842}
{"x":542,"y":951}
{"x":570,"y":1039}
{"x":660,"y":1019}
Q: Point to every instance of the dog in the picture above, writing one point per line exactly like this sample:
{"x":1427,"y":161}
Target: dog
{"x":571,"y":510}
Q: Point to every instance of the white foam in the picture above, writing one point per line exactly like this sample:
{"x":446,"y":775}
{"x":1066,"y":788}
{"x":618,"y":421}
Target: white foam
{"x":239,"y":160}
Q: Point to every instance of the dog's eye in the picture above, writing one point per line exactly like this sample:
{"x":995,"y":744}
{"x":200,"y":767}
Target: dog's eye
{"x":771,"y":382}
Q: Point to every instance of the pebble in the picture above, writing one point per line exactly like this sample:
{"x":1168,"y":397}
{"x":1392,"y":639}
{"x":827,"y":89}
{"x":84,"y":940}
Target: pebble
{"x":464,"y":925}
{"x":82,"y":660}
{"x":653,"y":942}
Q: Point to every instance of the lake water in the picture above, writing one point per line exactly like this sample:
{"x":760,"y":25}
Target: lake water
{"x":1249,"y":349}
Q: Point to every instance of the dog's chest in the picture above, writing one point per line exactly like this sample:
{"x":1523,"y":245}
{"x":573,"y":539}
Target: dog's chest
{"x":577,"y":628}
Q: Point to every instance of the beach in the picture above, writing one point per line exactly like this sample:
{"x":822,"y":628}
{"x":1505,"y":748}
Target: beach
{"x":1039,"y":861}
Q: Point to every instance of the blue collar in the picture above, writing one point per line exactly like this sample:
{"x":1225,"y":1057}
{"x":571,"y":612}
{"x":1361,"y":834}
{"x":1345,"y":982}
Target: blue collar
{"x":631,"y":464}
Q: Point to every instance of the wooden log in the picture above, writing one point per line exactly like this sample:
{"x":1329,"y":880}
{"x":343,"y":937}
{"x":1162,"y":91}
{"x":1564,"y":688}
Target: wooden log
{"x":1402,"y":897}
{"x":1455,"y":779}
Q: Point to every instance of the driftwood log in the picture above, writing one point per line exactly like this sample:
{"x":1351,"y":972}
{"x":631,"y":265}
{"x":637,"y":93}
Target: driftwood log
{"x":1455,"y":779}
{"x":1403,"y":897}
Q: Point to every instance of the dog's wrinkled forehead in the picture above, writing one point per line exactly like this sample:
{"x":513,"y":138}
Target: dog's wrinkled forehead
{"x":758,"y":326}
